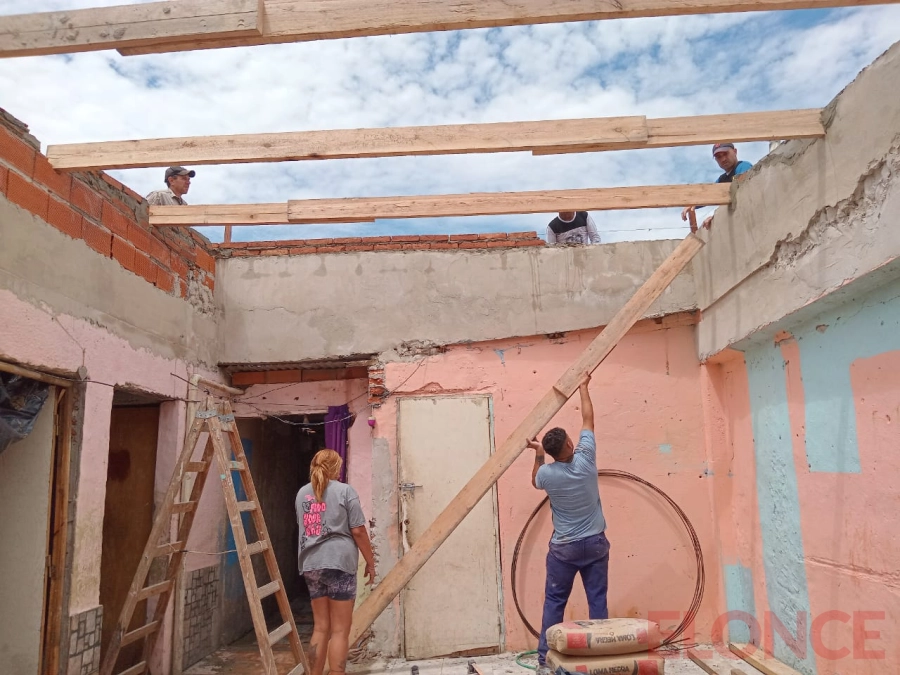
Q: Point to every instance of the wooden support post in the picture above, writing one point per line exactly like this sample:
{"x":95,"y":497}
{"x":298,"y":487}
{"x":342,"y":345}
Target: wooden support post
{"x":534,"y":422}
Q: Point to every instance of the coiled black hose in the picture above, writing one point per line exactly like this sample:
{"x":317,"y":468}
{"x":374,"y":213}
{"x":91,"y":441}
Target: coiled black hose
{"x":695,"y":541}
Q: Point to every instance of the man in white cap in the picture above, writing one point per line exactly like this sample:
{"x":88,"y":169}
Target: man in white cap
{"x":178,"y":182}
{"x":725,"y":155}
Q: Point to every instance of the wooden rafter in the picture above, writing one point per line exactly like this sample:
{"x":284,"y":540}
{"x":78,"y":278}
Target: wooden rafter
{"x":544,"y":137}
{"x":366,"y":210}
{"x":127,"y":26}
{"x":127,"y":29}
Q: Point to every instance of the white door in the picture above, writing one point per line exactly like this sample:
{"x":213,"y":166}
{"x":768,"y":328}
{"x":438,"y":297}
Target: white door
{"x":452,"y":606}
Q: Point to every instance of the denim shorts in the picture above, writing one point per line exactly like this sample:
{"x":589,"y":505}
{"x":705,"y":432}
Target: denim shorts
{"x":333,"y":584}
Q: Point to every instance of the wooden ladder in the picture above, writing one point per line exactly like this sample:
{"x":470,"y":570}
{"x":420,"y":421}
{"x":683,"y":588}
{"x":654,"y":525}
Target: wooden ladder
{"x":224,"y":443}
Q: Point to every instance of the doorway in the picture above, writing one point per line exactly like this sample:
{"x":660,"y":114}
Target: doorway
{"x":128,"y":511}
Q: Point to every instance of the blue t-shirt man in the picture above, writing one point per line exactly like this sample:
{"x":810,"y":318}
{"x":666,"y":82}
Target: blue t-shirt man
{"x":725,"y":155}
{"x":579,"y":544}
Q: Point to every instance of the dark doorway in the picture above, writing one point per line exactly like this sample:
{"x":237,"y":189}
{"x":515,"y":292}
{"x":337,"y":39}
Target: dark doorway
{"x":280,"y":451}
{"x":128,"y":514}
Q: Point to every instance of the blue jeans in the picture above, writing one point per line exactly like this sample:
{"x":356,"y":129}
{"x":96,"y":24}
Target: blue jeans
{"x":590,"y":557}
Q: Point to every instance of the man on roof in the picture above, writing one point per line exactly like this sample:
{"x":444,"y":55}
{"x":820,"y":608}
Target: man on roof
{"x":178,"y":182}
{"x":726,"y":157}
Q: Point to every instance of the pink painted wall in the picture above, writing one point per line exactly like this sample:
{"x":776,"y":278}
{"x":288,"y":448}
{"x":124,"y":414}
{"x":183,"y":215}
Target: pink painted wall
{"x":649,"y":421}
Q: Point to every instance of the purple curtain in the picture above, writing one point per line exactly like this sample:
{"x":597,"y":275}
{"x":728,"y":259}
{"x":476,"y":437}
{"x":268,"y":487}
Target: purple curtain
{"x":337,"y":421}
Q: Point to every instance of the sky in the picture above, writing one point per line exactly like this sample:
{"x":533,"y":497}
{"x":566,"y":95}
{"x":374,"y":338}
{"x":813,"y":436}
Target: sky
{"x":658,"y":67}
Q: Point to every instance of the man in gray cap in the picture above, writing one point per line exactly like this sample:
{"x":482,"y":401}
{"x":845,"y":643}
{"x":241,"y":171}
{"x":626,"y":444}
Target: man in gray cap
{"x":725,"y":155}
{"x":178,"y":182}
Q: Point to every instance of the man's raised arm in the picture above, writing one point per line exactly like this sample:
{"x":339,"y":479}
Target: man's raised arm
{"x":587,"y":408}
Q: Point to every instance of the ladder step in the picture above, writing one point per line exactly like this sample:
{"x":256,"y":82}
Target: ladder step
{"x":279,"y":633}
{"x":166,"y":549}
{"x":156,"y":589}
{"x":257,"y":547}
{"x":196,"y":467}
{"x":136,"y":670}
{"x":268,"y":589}
{"x":246,"y":506}
{"x":184,"y":507}
{"x":141,"y":632}
{"x":238,"y":466}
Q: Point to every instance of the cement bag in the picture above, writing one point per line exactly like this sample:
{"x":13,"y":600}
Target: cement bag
{"x":619,"y":664}
{"x":599,"y":637}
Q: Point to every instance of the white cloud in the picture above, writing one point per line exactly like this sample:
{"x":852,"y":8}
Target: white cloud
{"x":655,"y":67}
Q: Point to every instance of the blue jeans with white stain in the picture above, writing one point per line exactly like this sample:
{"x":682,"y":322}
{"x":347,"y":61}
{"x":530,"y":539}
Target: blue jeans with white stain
{"x":588,"y":556}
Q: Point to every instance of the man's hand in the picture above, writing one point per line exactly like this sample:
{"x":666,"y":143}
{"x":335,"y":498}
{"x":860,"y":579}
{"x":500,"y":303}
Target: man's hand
{"x":587,"y":408}
{"x":585,"y":381}
{"x":707,"y":223}
{"x":535,"y":445}
{"x":686,"y":211}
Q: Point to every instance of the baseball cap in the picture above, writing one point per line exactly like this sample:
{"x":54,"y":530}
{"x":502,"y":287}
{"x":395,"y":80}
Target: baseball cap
{"x":722,"y":146}
{"x":178,"y":171}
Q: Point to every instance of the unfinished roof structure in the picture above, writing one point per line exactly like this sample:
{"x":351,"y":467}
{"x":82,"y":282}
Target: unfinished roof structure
{"x":749,"y":371}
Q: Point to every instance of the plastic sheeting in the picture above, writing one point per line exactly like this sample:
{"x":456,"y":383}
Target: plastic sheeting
{"x":21,"y":399}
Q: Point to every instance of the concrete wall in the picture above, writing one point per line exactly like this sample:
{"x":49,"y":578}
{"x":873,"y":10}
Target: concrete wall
{"x":647,"y":399}
{"x":811,"y":217}
{"x":311,"y":307}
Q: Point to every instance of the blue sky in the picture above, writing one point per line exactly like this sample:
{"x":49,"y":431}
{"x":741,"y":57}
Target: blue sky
{"x":656,"y":67}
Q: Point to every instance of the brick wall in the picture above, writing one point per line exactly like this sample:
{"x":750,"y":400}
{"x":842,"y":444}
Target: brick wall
{"x":107,"y":216}
{"x":424,"y":242}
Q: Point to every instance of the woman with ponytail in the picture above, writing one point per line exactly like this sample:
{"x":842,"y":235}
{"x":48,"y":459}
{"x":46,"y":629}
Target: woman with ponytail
{"x":332,"y":535}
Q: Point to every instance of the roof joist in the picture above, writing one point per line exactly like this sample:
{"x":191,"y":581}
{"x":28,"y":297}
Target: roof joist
{"x":304,"y":20}
{"x":128,"y":26}
{"x":545,"y":137}
{"x":363,"y":210}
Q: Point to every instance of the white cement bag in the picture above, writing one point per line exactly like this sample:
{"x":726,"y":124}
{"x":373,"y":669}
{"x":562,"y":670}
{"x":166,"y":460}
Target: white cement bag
{"x":619,"y":664}
{"x":599,"y":637}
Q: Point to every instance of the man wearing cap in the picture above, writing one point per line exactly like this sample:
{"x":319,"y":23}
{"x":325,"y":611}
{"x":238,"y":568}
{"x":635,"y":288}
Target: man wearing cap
{"x":178,"y":182}
{"x":725,"y":155}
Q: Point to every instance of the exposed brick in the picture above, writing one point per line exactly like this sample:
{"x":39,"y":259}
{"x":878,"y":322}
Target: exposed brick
{"x":4,"y":173}
{"x":236,"y":244}
{"x":109,"y":180}
{"x":86,"y":199}
{"x":165,"y":280}
{"x":388,"y":247}
{"x":376,"y":240}
{"x":529,"y":242}
{"x":182,"y":288}
{"x":301,"y":250}
{"x":347,"y":240}
{"x":206,"y":262}
{"x":140,"y":238}
{"x":417,"y":246}
{"x":144,"y":267}
{"x":361,"y":247}
{"x":408,"y":239}
{"x":246,"y":379}
{"x":57,"y":182}
{"x":434,"y":237}
{"x":114,"y":221}
{"x":209,"y":282}
{"x":123,"y":252}
{"x":64,"y":218}
{"x":17,"y":153}
{"x":522,"y":235}
{"x":472,"y":244}
{"x":159,"y":251}
{"x":319,"y":242}
{"x":500,"y":243}
{"x":96,"y":237}
{"x":492,"y":235}
{"x":27,"y":195}
{"x":180,"y":267}
{"x":463,"y":237}
{"x":131,"y":193}
{"x":331,"y":249}
{"x":444,"y":245}
{"x":244,"y":254}
{"x":274,"y":251}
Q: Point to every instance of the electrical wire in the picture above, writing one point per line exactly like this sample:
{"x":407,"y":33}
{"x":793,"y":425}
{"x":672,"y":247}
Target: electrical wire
{"x":699,"y":586}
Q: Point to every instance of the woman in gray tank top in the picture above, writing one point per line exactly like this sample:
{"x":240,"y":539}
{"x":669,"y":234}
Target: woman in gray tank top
{"x":332,"y":535}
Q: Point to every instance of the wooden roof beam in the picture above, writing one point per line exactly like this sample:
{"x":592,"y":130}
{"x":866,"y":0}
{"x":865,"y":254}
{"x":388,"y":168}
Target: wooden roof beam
{"x":305,"y":20}
{"x":368,"y":210}
{"x":540,"y":138}
{"x":128,"y":26}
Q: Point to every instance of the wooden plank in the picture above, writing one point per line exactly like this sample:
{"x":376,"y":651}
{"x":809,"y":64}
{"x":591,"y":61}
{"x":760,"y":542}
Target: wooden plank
{"x":166,"y":549}
{"x":141,"y":632}
{"x":361,"y":210}
{"x":237,"y":466}
{"x":257,"y":547}
{"x":127,"y":26}
{"x":196,"y":467}
{"x":279,"y":633}
{"x":268,"y":589}
{"x":488,"y":474}
{"x":300,"y":20}
{"x":764,"y":663}
{"x":706,"y":667}
{"x":340,"y":144}
{"x":156,"y":589}
{"x":246,"y":506}
{"x":184,"y":507}
{"x":540,"y":138}
{"x":35,"y":375}
{"x":136,"y":669}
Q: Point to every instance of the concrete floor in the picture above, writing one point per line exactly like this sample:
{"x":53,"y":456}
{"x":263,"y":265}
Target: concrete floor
{"x":243,"y":659}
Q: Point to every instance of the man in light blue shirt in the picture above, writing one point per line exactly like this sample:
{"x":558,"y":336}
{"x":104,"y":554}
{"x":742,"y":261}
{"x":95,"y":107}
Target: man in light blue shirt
{"x":726,"y":157}
{"x":578,"y":544}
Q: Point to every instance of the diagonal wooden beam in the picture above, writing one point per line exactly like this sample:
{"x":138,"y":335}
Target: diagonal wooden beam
{"x":127,"y":26}
{"x":540,"y":138}
{"x":488,"y":474}
{"x":367,"y":210}
{"x":304,"y":20}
